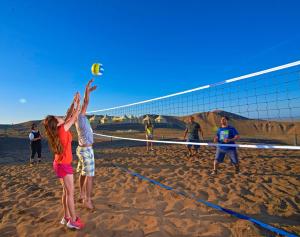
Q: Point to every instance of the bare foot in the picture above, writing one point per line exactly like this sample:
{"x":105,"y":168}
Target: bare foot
{"x":89,"y":205}
{"x":81,"y":199}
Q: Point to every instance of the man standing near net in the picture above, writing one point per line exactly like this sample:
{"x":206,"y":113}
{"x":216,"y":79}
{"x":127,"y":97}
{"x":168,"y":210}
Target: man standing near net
{"x":192,"y":130}
{"x":149,"y":130}
{"x":84,"y":151}
{"x":226,"y":135}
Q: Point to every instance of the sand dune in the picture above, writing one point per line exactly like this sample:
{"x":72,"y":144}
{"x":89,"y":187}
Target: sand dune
{"x":267,"y":189}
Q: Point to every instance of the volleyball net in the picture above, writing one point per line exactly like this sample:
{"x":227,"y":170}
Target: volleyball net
{"x":263,"y":106}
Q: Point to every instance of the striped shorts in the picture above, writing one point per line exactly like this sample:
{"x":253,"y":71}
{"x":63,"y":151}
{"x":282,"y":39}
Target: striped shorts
{"x":86,"y":161}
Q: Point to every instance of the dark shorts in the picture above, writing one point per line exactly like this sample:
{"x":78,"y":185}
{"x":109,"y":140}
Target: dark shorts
{"x":196,"y":147}
{"x":61,"y":170}
{"x":232,"y":153}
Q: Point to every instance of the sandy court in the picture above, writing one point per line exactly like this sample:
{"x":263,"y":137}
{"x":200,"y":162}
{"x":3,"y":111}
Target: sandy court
{"x":266,"y":189}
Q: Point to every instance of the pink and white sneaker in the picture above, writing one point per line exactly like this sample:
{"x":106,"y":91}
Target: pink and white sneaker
{"x":65,"y":220}
{"x":75,"y":224}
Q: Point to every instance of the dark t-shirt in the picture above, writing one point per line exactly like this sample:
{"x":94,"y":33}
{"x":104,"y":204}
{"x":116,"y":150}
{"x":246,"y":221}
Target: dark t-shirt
{"x":36,"y":134}
{"x":193,"y":130}
{"x":229,"y":133}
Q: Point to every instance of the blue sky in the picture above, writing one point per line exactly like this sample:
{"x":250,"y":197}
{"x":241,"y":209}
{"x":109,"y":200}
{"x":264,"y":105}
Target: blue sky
{"x":148,"y":48}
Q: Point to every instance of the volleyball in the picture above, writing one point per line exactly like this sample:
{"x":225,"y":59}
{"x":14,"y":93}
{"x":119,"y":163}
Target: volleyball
{"x":97,"y":69}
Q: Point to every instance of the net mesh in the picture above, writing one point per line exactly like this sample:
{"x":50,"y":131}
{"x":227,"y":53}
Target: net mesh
{"x":264,"y":107}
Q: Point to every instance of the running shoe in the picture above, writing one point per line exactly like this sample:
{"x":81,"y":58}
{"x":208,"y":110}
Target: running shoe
{"x":214,"y":172}
{"x":64,"y":220}
{"x":75,"y":224}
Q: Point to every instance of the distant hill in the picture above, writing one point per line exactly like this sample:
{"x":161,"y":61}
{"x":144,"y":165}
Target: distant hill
{"x":245,"y":125}
{"x":209,"y":121}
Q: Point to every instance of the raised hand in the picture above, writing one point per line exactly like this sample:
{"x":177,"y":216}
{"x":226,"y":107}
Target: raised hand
{"x":88,"y":86}
{"x":77,"y":98}
{"x":92,"y":88}
{"x":90,"y":82}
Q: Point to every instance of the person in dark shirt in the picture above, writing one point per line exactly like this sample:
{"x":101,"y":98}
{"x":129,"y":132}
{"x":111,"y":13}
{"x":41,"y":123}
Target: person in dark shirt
{"x":35,"y":143}
{"x":226,"y":134}
{"x":192,"y":130}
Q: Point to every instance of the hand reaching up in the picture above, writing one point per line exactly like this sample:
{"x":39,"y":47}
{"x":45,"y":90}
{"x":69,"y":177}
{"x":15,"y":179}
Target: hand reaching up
{"x":89,"y":87}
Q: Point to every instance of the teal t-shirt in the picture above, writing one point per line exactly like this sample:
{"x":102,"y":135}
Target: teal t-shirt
{"x":226,"y":133}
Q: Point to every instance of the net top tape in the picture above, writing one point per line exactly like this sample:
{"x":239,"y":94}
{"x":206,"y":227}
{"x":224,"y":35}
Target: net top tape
{"x":253,"y":146}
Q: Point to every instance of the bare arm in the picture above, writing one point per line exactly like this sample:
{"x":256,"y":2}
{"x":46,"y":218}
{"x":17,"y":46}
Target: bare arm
{"x":185,"y":132}
{"x":70,"y":111}
{"x":86,"y":99}
{"x":73,"y":116}
{"x":216,"y":139}
{"x":201,"y":133}
{"x":236,"y":137}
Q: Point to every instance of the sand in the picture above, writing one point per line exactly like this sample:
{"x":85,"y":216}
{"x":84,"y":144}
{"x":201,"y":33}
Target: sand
{"x":268,"y":189}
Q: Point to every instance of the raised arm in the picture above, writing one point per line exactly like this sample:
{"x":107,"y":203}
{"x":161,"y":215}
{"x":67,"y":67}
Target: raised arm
{"x":73,"y":116}
{"x":185,"y":132}
{"x":86,"y":100}
{"x":71,"y":109}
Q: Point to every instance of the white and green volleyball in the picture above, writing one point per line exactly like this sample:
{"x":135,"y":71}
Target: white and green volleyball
{"x":97,"y":69}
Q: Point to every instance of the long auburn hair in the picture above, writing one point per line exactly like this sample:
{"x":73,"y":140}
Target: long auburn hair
{"x":50,"y":124}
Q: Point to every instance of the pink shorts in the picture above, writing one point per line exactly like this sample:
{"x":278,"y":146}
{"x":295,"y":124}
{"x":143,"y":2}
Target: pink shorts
{"x":61,"y":170}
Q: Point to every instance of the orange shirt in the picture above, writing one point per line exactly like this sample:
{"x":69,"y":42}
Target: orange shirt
{"x":65,"y":138}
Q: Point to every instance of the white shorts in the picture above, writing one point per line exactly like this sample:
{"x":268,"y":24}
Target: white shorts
{"x":149,"y":136}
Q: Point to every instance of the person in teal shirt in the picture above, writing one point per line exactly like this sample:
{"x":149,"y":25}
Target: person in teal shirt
{"x":226,"y":134}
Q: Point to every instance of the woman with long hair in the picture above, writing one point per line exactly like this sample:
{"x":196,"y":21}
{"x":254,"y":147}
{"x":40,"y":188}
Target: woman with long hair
{"x":60,"y":139}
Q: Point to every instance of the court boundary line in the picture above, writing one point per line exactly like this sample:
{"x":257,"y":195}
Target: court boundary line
{"x":209,"y":204}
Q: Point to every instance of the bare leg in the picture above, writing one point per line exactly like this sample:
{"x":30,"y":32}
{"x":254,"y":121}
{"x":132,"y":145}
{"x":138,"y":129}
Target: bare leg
{"x":215,"y":165}
{"x":195,"y":151}
{"x":237,"y":168}
{"x":89,"y":187}
{"x":190,"y":151}
{"x":69,"y":187}
{"x":64,"y":200}
{"x":82,"y":187}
